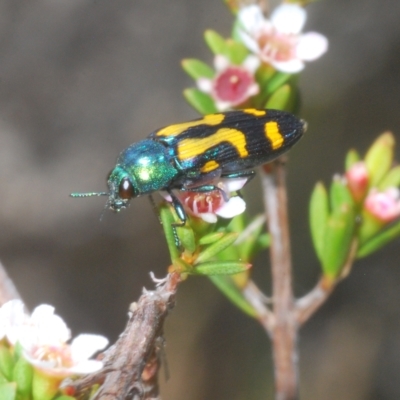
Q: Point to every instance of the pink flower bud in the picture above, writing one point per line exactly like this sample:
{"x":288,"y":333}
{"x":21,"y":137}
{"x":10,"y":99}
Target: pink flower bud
{"x":385,"y":206}
{"x":358,"y":180}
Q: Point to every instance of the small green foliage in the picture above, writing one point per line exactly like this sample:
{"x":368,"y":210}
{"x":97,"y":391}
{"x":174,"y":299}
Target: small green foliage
{"x":6,"y":362}
{"x":339,"y":193}
{"x":197,"y":69}
{"x":221,"y":268}
{"x":200,"y":101}
{"x":379,"y":240}
{"x":215,"y":42}
{"x":211,"y":238}
{"x":392,"y":179}
{"x":351,"y":158}
{"x":186,"y":237}
{"x":22,"y":376}
{"x":276,"y":81}
{"x":280,"y":99}
{"x":64,"y":397}
{"x":216,"y":247}
{"x":332,"y":226}
{"x":235,"y":51}
{"x":229,"y":288}
{"x":319,"y":214}
{"x":8,"y":391}
{"x":338,"y":238}
{"x":379,"y":158}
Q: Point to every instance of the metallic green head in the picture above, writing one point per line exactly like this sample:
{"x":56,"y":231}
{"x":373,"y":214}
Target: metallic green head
{"x":142,"y":168}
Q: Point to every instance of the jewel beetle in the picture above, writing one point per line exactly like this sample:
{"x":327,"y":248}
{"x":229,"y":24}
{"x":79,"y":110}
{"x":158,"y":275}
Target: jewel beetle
{"x":193,"y":156}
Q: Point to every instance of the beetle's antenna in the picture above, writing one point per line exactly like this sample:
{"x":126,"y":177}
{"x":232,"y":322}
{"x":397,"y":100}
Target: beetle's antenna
{"x":89,"y":194}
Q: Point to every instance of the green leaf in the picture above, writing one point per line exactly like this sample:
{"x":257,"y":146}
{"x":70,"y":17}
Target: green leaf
{"x":280,"y":98}
{"x":351,"y":158}
{"x":248,"y":241}
{"x":278,"y":80}
{"x":379,"y":241}
{"x":200,"y":101}
{"x":338,"y":238}
{"x":197,"y":69}
{"x":392,"y":179}
{"x":216,"y":248}
{"x":8,"y":391}
{"x":379,"y":158}
{"x":235,"y":51}
{"x":211,"y":238}
{"x":64,"y":397}
{"x":215,"y":42}
{"x":22,"y":375}
{"x":167,"y":220}
{"x":319,"y":214}
{"x":221,"y":268}
{"x":45,"y":387}
{"x":3,"y":379}
{"x":226,"y":285}
{"x":339,"y":193}
{"x":370,"y":226}
{"x":186,"y":237}
{"x":6,"y":362}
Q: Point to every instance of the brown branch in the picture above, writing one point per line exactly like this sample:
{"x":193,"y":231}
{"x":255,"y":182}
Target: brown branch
{"x":131,"y":365}
{"x":8,"y":291}
{"x":284,"y":333}
{"x":307,"y":305}
{"x":258,"y":300}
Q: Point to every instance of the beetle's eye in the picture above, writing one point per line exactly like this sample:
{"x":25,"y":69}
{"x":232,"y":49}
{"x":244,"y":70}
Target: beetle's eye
{"x":125,"y":190}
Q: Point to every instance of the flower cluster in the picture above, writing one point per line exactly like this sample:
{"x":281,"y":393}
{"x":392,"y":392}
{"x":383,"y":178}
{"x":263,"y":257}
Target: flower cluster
{"x":362,"y":211}
{"x":248,"y":65}
{"x":42,"y":339}
{"x":373,"y":184}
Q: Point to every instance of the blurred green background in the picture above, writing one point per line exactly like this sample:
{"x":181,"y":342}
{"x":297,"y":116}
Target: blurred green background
{"x":81,"y":80}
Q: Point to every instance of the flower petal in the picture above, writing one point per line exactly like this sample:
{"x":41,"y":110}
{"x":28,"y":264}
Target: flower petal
{"x":209,"y":217}
{"x":251,"y":18}
{"x":85,"y":345}
{"x":249,"y":42}
{"x":291,"y":67}
{"x":204,"y":84}
{"x":86,"y":367}
{"x":251,"y":63}
{"x":233,"y":184}
{"x":235,"y":206}
{"x":311,"y":46}
{"x":289,"y":18}
{"x":221,"y":62}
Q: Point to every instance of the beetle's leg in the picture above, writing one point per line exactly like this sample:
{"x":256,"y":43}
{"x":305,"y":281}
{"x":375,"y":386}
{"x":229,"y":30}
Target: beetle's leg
{"x":244,"y":174}
{"x":181,"y":213}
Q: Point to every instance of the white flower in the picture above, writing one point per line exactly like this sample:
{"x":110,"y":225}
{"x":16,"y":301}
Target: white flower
{"x":233,"y":84}
{"x":13,"y":320}
{"x":44,"y":336}
{"x":210,"y":205}
{"x":278,"y":41}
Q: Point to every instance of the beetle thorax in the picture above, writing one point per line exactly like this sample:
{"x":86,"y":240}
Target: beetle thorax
{"x":148,"y":165}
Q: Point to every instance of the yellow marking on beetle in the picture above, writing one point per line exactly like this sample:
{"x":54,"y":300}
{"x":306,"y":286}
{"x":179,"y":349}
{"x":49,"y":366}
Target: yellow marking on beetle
{"x":272,"y":133}
{"x":174,"y":130}
{"x":190,"y":148}
{"x":255,"y":112}
{"x":209,"y":166}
